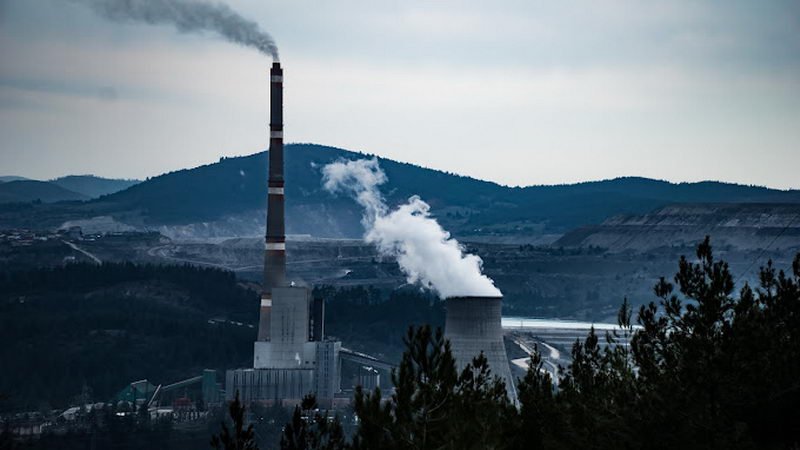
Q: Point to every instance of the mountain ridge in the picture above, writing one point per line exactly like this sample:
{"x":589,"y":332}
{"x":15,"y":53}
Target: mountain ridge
{"x":67,"y":188}
{"x":93,"y":186}
{"x":18,"y":191}
{"x":228,"y":198}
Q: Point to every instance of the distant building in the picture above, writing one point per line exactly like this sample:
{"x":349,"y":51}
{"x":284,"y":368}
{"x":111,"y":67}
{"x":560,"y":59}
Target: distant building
{"x":136,"y":393}
{"x":368,"y":378}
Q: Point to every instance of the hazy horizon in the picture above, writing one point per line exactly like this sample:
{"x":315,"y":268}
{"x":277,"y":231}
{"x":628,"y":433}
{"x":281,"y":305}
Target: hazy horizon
{"x":517,"y":93}
{"x":2,"y":175}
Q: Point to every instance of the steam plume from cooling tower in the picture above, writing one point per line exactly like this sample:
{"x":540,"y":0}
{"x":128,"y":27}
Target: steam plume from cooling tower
{"x":424,"y":250}
{"x":188,"y":16}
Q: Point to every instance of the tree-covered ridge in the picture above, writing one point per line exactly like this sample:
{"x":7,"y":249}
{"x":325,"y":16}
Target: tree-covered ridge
{"x":708,"y":369}
{"x":373,"y":321}
{"x":238,"y":185}
{"x":205,"y":282}
{"x":93,"y":186}
{"x":21,"y":191}
{"x":104,"y":326}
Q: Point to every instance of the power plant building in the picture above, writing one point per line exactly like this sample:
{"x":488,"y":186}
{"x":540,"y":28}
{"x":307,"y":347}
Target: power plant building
{"x":291,"y":357}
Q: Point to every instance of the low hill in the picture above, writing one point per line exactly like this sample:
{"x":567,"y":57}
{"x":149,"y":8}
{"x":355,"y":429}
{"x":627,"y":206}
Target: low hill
{"x":92,"y":186}
{"x":233,"y":193}
{"x":228,"y":198}
{"x":8,"y":178}
{"x":30,"y":190}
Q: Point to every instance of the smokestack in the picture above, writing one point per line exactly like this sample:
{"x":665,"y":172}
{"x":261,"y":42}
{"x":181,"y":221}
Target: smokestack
{"x":275,"y":242}
{"x":473,"y":325}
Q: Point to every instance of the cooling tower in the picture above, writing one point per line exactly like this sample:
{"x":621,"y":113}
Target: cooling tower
{"x":473,"y":325}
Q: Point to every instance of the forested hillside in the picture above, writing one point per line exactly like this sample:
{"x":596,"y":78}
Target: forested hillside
{"x":23,"y":191}
{"x":92,"y":186}
{"x":232,"y":193}
{"x":103,"y":327}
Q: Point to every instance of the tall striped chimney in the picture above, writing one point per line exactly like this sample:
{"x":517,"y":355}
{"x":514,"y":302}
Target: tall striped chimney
{"x":275,"y":242}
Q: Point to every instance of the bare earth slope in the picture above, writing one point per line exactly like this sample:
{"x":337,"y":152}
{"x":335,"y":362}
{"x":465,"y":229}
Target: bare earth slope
{"x":741,"y":226}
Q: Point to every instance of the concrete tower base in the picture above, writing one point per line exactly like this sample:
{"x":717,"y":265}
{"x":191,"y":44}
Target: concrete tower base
{"x":473,"y":325}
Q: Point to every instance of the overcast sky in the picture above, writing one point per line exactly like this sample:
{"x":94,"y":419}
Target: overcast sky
{"x":517,"y":92}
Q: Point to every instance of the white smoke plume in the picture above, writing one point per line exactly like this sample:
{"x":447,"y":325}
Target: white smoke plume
{"x":425,"y":251}
{"x":188,"y":16}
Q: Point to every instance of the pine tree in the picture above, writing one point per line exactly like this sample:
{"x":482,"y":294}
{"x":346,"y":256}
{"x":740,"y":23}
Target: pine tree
{"x":417,"y":414}
{"x":310,"y":430}
{"x":241,"y":438}
{"x":481,"y":415}
{"x":705,"y":370}
{"x":538,"y":413}
{"x":433,"y":405}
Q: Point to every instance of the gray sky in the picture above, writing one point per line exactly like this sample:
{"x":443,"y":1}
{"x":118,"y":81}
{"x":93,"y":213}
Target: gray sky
{"x":518,"y":92}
